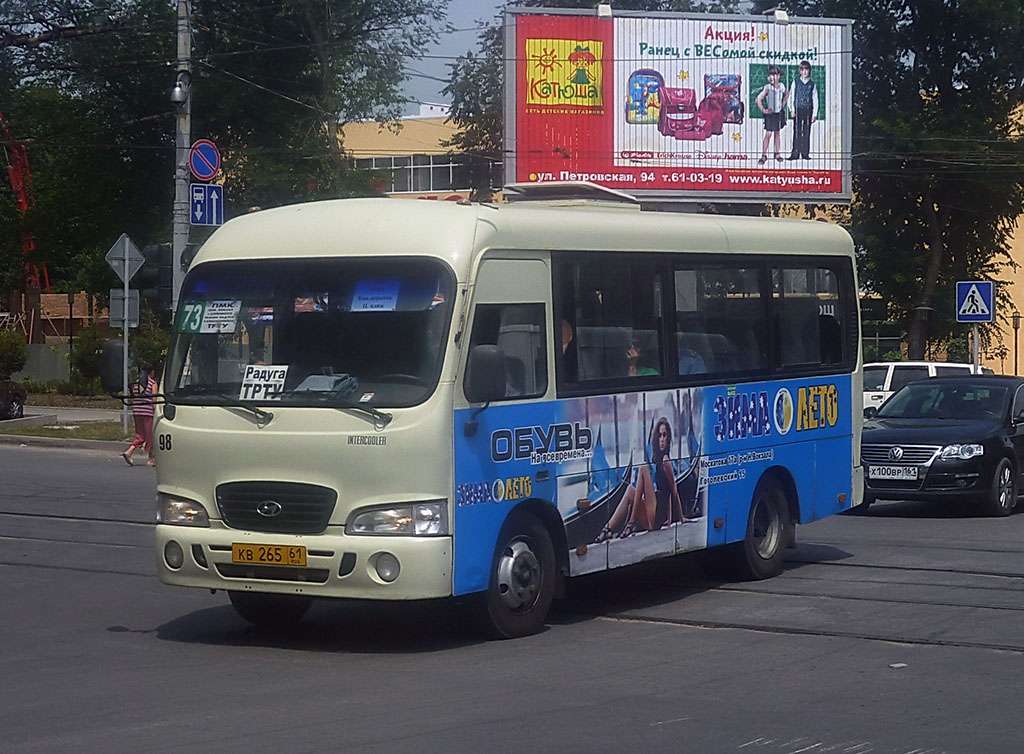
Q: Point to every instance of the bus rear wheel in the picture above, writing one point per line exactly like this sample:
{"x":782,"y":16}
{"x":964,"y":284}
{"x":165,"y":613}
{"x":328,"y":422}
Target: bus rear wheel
{"x":759,"y":555}
{"x":522,"y":582}
{"x":270,"y":610}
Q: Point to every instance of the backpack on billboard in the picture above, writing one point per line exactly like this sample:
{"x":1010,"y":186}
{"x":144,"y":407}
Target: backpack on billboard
{"x":711,"y":111}
{"x":643,"y":96}
{"x":678,"y":110}
{"x":724,"y":88}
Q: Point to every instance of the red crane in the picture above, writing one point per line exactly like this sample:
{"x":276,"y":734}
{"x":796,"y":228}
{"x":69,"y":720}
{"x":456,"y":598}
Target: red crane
{"x":21,"y":182}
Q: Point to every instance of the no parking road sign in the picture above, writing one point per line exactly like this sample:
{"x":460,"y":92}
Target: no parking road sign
{"x":975,"y":301}
{"x":204,"y":159}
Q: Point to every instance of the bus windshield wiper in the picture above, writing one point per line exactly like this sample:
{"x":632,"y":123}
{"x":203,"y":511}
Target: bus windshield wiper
{"x":226,"y":400}
{"x":337,"y":399}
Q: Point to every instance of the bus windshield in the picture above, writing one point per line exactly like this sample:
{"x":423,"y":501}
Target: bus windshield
{"x":366,"y":332}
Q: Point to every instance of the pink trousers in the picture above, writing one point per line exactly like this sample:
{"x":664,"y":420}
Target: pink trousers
{"x":143,"y":433}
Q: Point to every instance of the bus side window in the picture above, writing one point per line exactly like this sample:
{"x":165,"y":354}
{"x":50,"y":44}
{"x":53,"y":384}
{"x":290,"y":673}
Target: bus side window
{"x":808,"y":316}
{"x":611,"y":308}
{"x":719,"y":322}
{"x":518,"y":329}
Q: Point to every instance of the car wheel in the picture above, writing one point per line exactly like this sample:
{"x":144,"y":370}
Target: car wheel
{"x":759,"y":554}
{"x":16,"y":408}
{"x":273,"y":611}
{"x":1003,"y":495}
{"x":522,"y":582}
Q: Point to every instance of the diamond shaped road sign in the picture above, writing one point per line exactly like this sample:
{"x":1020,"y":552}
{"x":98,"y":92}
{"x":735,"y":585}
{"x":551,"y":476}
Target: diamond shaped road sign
{"x":125,"y":249}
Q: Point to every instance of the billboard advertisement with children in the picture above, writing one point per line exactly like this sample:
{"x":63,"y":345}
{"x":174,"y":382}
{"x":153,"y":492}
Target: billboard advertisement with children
{"x":680,"y":107}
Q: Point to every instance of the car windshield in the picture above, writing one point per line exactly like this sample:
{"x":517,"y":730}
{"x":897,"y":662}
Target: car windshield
{"x":874,"y":378}
{"x":324,"y":332}
{"x":931,"y":399}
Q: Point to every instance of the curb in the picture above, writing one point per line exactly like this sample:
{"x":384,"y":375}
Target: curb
{"x":63,"y":442}
{"x":30,"y":420}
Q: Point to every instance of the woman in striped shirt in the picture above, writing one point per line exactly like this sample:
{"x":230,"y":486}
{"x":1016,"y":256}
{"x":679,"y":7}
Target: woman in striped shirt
{"x":142,"y":412}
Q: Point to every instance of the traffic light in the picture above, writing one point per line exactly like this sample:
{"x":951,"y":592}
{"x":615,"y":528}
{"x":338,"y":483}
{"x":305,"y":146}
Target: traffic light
{"x":155,"y":279}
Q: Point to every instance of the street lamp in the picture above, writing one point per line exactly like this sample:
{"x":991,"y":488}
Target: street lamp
{"x":180,"y":92}
{"x":1016,"y":327}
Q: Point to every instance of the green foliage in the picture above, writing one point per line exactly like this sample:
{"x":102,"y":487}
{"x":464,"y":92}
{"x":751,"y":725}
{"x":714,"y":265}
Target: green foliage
{"x":937,"y":164}
{"x":272,"y":84}
{"x":149,"y":342}
{"x":86,"y":351}
{"x":958,"y":348}
{"x":13,"y":352}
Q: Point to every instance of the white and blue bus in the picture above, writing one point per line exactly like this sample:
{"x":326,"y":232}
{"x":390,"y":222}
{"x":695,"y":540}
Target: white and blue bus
{"x":398,"y":400}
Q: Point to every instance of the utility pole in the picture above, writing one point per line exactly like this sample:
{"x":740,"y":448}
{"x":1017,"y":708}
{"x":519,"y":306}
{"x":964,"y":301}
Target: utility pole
{"x":182,"y":97}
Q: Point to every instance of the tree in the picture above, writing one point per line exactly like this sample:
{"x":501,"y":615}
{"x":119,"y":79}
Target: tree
{"x":277,"y":81}
{"x":937,"y":153}
{"x":86,"y":83}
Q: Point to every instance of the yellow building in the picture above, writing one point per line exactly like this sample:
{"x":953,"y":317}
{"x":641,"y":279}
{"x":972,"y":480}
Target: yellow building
{"x":1002,"y":354}
{"x":412,"y":159}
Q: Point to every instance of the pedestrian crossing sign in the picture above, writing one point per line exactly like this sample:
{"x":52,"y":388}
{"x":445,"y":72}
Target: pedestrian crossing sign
{"x":975,"y":301}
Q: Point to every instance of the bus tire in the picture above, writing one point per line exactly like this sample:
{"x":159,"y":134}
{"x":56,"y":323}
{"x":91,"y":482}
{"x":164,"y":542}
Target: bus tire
{"x":270,"y":610}
{"x":759,"y":555}
{"x":522,"y":581}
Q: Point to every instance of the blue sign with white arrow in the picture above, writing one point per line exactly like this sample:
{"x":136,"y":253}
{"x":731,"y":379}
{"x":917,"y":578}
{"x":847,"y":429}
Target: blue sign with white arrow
{"x":206,"y":204}
{"x":975,"y":301}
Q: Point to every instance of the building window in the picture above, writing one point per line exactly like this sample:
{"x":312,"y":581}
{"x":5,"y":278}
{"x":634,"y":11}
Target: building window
{"x":427,"y":172}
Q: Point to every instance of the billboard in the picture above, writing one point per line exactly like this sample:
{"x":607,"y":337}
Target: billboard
{"x":680,"y":107}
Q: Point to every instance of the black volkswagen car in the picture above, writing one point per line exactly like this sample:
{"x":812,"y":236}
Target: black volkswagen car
{"x":947,"y":438}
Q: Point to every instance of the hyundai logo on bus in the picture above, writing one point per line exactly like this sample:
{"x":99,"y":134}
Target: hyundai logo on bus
{"x":269,"y":508}
{"x":552,"y":444}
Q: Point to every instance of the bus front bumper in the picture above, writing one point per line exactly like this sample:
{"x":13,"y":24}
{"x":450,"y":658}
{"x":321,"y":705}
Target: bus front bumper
{"x":336,"y":565}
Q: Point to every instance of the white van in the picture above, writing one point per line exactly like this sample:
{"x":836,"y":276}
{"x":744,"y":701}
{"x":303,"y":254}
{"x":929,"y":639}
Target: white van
{"x":883,"y":378}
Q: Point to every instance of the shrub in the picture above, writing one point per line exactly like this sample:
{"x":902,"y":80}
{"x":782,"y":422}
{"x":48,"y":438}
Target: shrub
{"x":87,"y":350}
{"x":13,"y":352}
{"x":149,"y":342}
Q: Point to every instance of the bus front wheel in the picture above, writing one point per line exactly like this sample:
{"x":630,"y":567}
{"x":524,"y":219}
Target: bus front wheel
{"x":270,"y":610}
{"x":522,"y":582}
{"x":759,"y":554}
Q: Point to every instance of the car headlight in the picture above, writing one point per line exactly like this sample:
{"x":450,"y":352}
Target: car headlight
{"x":180,"y":511}
{"x":428,"y":519}
{"x":963,"y":452}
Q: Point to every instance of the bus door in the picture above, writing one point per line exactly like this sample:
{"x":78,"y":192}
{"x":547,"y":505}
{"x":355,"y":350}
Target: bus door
{"x":501,"y":451}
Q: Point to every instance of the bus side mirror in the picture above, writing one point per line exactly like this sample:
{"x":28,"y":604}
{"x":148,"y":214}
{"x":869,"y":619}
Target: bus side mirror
{"x":870,"y":411}
{"x":485,"y":374}
{"x":112,"y":366}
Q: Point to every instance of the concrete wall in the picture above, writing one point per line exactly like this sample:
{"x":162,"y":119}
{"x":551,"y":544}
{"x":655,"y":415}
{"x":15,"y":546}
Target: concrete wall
{"x":46,"y":362}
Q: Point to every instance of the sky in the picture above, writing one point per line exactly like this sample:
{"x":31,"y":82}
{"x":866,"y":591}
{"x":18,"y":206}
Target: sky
{"x":422,"y":85}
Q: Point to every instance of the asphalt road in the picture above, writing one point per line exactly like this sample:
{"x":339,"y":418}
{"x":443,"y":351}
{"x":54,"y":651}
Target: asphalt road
{"x":900,"y":631}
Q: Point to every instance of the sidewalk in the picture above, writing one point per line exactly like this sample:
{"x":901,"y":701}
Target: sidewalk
{"x":66,"y":415}
{"x":37,"y":415}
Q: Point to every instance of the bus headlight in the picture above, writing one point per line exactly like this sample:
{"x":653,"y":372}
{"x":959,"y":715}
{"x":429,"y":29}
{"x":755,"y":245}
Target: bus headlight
{"x":963,"y":452}
{"x":428,"y":519}
{"x":179,"y":511}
